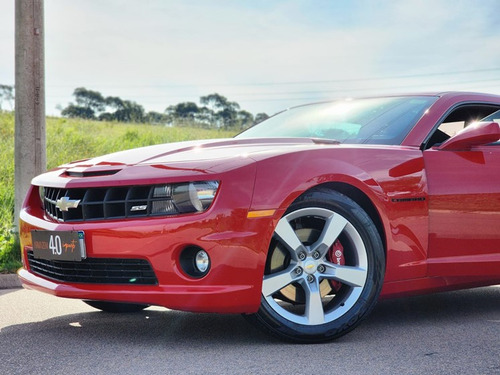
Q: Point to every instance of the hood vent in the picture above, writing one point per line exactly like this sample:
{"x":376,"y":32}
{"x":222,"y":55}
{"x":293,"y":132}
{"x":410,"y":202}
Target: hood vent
{"x":91,"y":173}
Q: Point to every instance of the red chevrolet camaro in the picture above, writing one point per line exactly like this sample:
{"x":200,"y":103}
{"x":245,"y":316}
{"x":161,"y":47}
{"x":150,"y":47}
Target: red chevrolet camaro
{"x":300,"y":223}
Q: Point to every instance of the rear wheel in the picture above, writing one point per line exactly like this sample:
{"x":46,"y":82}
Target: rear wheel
{"x":116,"y":307}
{"x":324,"y":269}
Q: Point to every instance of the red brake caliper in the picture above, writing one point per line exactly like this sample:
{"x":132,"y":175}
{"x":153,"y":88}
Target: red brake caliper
{"x":336,"y":255}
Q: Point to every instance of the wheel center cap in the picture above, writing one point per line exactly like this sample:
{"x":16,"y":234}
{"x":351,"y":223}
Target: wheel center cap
{"x":310,"y":267}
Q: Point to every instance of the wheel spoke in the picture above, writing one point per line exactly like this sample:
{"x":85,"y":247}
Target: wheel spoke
{"x":314,"y":307}
{"x":287,"y":235}
{"x":334,"y":225}
{"x":276,"y":281}
{"x":352,"y":276}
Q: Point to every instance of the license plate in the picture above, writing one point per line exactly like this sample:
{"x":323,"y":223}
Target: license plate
{"x":58,"y":245}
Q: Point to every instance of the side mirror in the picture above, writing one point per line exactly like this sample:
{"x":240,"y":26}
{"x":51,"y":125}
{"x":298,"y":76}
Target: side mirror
{"x":477,"y":134}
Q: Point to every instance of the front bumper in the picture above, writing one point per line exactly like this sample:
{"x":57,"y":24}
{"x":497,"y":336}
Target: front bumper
{"x":233,"y":283}
{"x":202,"y":298}
{"x":237,"y":246}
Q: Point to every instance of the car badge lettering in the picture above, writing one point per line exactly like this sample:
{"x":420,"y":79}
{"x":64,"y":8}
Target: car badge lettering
{"x":64,"y":203}
{"x":139,"y":208}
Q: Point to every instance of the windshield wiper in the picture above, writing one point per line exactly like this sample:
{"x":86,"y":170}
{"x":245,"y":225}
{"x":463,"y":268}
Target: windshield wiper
{"x":325,"y":141}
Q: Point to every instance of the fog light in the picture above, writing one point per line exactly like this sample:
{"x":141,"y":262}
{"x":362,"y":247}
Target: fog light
{"x":202,"y":261}
{"x":194,"y":262}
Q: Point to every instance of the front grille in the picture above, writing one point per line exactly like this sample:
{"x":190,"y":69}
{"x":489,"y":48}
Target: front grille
{"x":95,"y":270}
{"x":107,"y":203}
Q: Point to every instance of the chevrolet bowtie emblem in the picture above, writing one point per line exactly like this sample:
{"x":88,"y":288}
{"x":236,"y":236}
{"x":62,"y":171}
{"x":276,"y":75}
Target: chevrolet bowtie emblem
{"x":65,"y":203}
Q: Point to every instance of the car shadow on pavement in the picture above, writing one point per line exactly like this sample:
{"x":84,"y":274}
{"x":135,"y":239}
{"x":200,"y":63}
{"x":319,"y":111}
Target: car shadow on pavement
{"x":438,"y":307}
{"x":442,"y":333}
{"x":146,"y":327}
{"x":155,"y":326}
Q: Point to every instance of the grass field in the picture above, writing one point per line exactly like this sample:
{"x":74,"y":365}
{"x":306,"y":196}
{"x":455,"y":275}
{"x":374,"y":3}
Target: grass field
{"x":73,"y":139}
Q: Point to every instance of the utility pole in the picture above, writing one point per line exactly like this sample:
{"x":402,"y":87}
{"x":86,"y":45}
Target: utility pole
{"x":30,"y":143}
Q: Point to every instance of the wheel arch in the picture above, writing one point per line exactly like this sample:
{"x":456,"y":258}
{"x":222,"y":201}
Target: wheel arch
{"x":357,"y":196}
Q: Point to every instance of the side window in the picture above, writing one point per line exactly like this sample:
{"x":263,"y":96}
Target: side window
{"x":458,"y":119}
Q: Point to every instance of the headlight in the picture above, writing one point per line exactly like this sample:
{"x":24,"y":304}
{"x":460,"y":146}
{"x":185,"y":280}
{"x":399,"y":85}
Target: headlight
{"x":184,"y":198}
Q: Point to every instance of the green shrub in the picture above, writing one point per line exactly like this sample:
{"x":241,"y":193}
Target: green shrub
{"x":10,"y":256}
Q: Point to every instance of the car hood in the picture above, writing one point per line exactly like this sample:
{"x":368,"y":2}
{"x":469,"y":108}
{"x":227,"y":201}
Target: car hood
{"x":215,"y":151}
{"x":183,"y":160}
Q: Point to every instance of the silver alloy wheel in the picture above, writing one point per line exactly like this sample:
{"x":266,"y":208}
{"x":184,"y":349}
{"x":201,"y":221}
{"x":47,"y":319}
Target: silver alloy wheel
{"x":308,"y":266}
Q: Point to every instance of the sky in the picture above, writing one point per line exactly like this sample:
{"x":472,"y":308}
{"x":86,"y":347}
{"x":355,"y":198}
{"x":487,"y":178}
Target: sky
{"x":265,"y":55}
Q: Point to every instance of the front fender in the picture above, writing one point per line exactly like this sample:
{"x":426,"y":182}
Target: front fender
{"x":400,"y":199}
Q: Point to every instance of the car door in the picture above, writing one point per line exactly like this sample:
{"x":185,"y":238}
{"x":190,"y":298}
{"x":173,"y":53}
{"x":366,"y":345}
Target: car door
{"x":464,"y":211}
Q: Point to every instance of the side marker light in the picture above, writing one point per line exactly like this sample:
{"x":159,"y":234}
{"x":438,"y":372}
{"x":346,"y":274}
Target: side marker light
{"x":260,"y":213}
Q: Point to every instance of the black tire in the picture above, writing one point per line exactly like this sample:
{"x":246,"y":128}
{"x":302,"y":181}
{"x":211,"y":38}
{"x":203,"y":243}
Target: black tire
{"x":116,"y":307}
{"x":307,"y":295}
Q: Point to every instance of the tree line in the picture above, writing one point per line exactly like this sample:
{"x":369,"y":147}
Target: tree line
{"x":214,"y":111}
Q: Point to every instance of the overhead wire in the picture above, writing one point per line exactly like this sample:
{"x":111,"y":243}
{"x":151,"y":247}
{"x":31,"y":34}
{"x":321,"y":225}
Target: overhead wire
{"x":279,"y":83}
{"x":277,"y":91}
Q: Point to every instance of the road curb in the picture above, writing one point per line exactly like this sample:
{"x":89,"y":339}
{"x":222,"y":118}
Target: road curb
{"x":9,"y":281}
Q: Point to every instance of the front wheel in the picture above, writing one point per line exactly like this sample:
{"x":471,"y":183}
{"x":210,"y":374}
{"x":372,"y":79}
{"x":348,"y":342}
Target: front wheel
{"x":324,"y":269}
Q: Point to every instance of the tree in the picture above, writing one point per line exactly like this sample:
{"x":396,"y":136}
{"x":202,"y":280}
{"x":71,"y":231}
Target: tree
{"x":75,"y":111}
{"x":7,"y":95}
{"x":205,"y":117}
{"x":88,"y":104}
{"x":132,"y":112}
{"x":125,"y":110}
{"x":182,"y":113}
{"x":259,"y":117}
{"x":89,"y":99}
{"x":187,"y":110}
{"x":153,"y":117}
{"x":245,"y":119}
{"x":225,"y":112}
{"x":218,"y":102}
{"x":114,"y":102}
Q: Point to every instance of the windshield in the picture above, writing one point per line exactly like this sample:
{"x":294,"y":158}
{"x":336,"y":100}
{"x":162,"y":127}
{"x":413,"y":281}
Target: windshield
{"x":371,"y":121}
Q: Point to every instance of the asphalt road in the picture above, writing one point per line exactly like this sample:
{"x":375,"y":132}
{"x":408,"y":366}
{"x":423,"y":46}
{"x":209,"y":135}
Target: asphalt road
{"x":447,"y":333}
